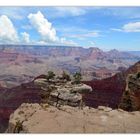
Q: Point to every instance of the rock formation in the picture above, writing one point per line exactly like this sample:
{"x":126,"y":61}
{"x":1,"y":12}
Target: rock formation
{"x":61,"y":92}
{"x":35,"y":118}
{"x":109,"y":91}
{"x":38,"y":91}
{"x":131,"y":97}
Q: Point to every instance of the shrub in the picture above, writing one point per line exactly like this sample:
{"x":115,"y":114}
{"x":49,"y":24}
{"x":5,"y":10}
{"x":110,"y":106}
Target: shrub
{"x":126,"y":102}
{"x":50,"y":75}
{"x":138,"y":75}
{"x":65,"y":76}
{"x":18,"y":127}
{"x":77,"y":78}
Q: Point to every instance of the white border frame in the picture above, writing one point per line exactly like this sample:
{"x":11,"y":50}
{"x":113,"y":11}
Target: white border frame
{"x":69,"y":2}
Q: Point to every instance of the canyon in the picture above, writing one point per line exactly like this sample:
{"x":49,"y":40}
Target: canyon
{"x":106,"y":92}
{"x":105,"y":72}
{"x":21,"y":63}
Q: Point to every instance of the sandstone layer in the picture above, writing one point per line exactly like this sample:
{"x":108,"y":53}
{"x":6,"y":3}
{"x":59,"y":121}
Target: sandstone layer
{"x":35,"y":118}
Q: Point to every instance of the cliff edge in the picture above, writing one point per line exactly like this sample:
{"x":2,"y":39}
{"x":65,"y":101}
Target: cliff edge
{"x":131,"y":96}
{"x":43,"y":118}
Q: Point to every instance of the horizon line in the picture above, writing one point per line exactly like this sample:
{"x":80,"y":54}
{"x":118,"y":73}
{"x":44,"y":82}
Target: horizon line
{"x":57,"y":45}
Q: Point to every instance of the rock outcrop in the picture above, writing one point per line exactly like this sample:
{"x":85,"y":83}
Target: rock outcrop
{"x":131,"y":97}
{"x":109,"y":91}
{"x":60,"y":92}
{"x":35,"y":118}
{"x":32,"y":92}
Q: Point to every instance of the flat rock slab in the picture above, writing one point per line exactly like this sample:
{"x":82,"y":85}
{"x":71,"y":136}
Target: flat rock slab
{"x":66,"y":119}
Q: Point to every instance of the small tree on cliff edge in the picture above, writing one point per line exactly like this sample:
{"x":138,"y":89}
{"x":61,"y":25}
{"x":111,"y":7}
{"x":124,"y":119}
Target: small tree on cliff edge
{"x":77,"y":78}
{"x":50,"y":75}
{"x":66,"y":76}
{"x":138,"y":75}
{"x":126,"y":102}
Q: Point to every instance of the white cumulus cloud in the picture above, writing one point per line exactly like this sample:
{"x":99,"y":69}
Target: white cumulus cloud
{"x":46,"y":30}
{"x":43,"y":27}
{"x":25,"y":37}
{"x":8,"y":33}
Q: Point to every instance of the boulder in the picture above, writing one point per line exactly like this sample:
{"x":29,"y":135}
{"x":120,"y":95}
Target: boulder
{"x":65,"y":97}
{"x":81,"y":88}
{"x":103,"y":108}
{"x":40,"y":82}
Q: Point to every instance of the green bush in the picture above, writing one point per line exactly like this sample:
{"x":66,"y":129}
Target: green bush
{"x":138,"y":75}
{"x":50,"y":75}
{"x":66,"y":76}
{"x":18,"y":127}
{"x":126,"y":102}
{"x":77,"y":78}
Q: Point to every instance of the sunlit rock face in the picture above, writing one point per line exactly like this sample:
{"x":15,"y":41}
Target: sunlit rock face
{"x":35,"y":118}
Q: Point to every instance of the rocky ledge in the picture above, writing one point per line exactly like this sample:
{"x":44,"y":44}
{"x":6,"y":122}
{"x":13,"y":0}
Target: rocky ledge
{"x":42,"y":118}
{"x":57,"y":92}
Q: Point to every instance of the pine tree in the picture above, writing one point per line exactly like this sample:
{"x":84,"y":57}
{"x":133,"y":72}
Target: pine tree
{"x":77,"y":78}
{"x":126,"y":102}
{"x":65,"y":76}
{"x":50,"y":75}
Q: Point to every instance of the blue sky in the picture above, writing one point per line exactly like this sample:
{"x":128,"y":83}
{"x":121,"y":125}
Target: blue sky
{"x":103,"y":27}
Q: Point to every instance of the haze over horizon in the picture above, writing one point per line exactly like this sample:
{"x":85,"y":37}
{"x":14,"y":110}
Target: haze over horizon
{"x":106,"y":28}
